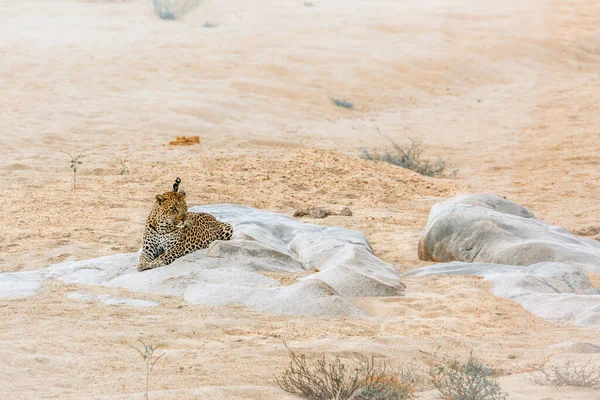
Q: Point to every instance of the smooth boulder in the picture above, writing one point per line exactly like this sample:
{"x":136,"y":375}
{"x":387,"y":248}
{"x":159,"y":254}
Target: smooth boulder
{"x":490,"y":229}
{"x":338,"y":264}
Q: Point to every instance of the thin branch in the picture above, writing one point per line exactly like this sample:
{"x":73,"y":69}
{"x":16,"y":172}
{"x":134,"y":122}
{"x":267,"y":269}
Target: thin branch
{"x":158,"y":358}
{"x":82,"y":152}
{"x":69,"y":154}
{"x":136,"y":349}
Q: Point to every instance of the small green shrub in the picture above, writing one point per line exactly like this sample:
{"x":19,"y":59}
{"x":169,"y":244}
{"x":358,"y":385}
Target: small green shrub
{"x":342,"y":103}
{"x":74,"y":162}
{"x":172,"y":9}
{"x":471,"y":380}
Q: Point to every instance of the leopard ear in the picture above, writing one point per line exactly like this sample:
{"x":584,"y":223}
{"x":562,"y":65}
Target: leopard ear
{"x":182,"y":193}
{"x":160,"y":198}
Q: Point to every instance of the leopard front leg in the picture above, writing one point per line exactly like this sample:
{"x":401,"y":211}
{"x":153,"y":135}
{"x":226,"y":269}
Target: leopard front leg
{"x":150,"y":251}
{"x":149,"y":259}
{"x":151,"y":248}
{"x":144,"y":262}
{"x":164,"y":259}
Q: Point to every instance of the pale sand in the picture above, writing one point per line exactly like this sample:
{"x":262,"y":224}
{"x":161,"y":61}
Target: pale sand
{"x":506,"y":91}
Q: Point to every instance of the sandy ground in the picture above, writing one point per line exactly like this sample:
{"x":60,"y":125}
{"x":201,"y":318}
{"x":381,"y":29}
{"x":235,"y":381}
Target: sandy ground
{"x":505,"y":91}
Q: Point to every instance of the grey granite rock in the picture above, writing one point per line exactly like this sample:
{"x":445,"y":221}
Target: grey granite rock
{"x":233,"y":272}
{"x":488,"y":228}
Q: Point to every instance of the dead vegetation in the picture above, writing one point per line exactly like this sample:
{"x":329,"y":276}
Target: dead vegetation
{"x":410,"y":156}
{"x":568,"y":374}
{"x":124,"y":165}
{"x":333,"y":379}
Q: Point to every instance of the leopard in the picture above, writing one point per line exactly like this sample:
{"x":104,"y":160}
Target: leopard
{"x":171,"y":231}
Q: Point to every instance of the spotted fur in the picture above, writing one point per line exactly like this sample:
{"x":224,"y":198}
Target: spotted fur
{"x":171,"y":231}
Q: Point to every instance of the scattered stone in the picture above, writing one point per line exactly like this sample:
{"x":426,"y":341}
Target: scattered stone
{"x":312,"y":212}
{"x":588,"y":231}
{"x":346,"y":212}
{"x":319,"y":212}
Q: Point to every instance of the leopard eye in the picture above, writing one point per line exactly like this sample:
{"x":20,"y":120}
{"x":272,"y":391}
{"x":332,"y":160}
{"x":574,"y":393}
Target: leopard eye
{"x":174,"y":209}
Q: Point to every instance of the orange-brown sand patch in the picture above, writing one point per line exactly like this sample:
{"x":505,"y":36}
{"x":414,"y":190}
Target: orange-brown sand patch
{"x":185,"y":141}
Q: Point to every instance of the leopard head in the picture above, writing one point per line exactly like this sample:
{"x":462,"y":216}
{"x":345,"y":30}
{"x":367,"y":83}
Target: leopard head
{"x":169,"y":212}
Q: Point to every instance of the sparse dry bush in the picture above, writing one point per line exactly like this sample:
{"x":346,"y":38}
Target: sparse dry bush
{"x":568,"y":374}
{"x":173,"y":9}
{"x":410,"y":156}
{"x":470,"y":380}
{"x":391,"y":387}
{"x":332,"y":379}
